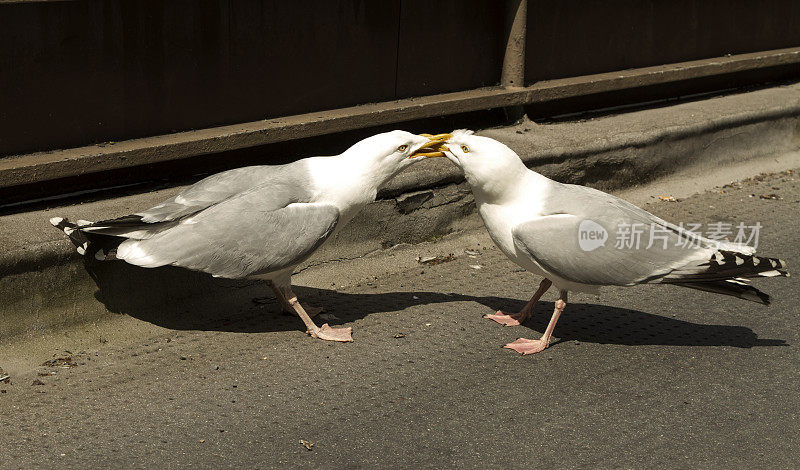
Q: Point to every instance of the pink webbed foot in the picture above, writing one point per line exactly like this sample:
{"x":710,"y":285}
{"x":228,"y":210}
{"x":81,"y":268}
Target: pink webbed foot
{"x":329,"y":333}
{"x":531,"y":346}
{"x":513,"y":319}
{"x":528,"y":346}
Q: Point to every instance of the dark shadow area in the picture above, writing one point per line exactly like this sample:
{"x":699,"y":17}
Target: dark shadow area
{"x":184,"y":300}
{"x":593,"y":323}
{"x":659,"y":96}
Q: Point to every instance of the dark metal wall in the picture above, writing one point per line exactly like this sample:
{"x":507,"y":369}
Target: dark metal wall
{"x":568,"y":38}
{"x":449,"y":46}
{"x":80,"y":72}
{"x":74,"y":73}
{"x":84,"y":71}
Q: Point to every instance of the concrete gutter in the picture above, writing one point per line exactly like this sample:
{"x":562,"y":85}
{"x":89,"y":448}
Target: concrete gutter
{"x":45,"y":285}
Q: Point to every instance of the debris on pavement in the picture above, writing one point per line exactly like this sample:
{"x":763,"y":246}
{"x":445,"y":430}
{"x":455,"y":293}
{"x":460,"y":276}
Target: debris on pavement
{"x":769,"y":196}
{"x":399,"y":335}
{"x":6,"y":379}
{"x":308,"y":445}
{"x":472,"y":253}
{"x":434,"y":260}
{"x":668,"y":198}
{"x":64,"y":362}
{"x":476,"y":266}
{"x":408,"y":203}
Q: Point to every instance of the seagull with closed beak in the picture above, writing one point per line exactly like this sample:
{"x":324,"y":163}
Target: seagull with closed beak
{"x":561,"y":232}
{"x":257,"y":222}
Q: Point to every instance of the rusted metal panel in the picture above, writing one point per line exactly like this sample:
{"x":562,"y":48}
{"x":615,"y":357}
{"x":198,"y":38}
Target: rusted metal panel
{"x":571,"y":38}
{"x":78,"y":72}
{"x":514,"y":56}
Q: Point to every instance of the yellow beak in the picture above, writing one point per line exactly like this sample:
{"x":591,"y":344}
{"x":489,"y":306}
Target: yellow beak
{"x":435,"y":146}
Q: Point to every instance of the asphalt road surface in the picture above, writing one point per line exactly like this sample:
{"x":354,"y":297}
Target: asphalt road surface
{"x":638,"y":377}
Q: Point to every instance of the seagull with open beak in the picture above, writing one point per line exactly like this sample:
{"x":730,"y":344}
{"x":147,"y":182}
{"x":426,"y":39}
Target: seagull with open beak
{"x":542,"y":225}
{"x":257,"y":222}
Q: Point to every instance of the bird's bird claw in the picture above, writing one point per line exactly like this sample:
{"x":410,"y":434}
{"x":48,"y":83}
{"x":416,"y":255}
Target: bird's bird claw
{"x":329,"y":333}
{"x":515,"y":319}
{"x":527,"y":346}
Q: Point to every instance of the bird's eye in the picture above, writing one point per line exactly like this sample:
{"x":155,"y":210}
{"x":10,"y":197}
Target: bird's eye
{"x":465,"y":149}
{"x":402,"y":148}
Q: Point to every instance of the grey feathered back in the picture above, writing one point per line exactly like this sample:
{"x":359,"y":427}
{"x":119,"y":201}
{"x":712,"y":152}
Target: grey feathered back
{"x":553,"y":242}
{"x":221,"y":186}
{"x":234,"y":224}
{"x":236,"y":239}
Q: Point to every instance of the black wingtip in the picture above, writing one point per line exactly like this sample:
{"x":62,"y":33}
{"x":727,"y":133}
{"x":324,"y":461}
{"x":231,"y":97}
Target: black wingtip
{"x":747,"y":293}
{"x":764,"y":297}
{"x":71,"y":230}
{"x":731,"y":287}
{"x":60,"y":222}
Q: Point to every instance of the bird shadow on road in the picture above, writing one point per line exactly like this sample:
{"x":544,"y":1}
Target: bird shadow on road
{"x":179,"y":299}
{"x":604,"y":324}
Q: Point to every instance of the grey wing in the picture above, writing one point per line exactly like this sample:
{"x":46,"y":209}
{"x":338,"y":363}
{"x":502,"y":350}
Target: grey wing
{"x":590,"y":237}
{"x":284,"y":184}
{"x":237,"y":239}
{"x":584,"y":201}
{"x":595,"y":238}
{"x":221,"y":186}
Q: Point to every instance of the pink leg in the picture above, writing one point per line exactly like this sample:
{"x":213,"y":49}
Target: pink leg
{"x":515,"y":319}
{"x":530,"y":346}
{"x":325,"y":332}
{"x":311,"y":311}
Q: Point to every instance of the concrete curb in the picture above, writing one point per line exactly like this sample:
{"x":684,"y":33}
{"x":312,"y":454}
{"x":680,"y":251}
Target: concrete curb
{"x":675,"y":135}
{"x":45,"y":285}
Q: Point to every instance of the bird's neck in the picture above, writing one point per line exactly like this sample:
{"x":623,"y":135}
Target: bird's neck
{"x":371,"y":172}
{"x":347,"y":181}
{"x":499,"y":185}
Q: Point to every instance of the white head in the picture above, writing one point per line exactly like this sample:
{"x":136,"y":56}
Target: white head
{"x":488,"y":165}
{"x":382,"y":156}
